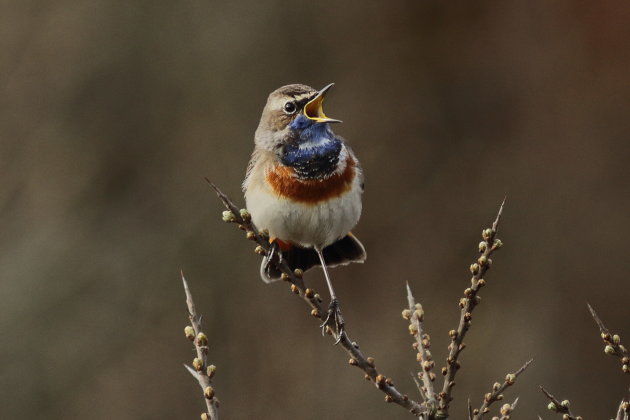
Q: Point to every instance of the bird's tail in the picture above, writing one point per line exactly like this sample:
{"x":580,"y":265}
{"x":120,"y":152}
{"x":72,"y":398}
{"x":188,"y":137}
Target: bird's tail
{"x":345,"y":251}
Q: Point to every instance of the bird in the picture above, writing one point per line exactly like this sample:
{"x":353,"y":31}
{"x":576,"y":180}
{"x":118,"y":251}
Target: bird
{"x":304,"y":186}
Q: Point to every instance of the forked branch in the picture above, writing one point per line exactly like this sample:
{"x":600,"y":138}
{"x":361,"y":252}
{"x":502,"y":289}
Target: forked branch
{"x":434,"y":405}
{"x":200,"y":369}
{"x":613,"y":346}
{"x":497,"y":395}
{"x":561,"y":407}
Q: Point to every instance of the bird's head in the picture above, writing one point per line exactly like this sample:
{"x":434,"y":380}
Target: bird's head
{"x":293,"y":113}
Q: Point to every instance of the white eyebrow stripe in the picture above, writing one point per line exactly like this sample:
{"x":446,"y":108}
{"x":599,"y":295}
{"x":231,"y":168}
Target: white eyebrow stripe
{"x":303,"y":96}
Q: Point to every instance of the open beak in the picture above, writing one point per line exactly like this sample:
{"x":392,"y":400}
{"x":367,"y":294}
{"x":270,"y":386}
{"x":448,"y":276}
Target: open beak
{"x":314,"y":111}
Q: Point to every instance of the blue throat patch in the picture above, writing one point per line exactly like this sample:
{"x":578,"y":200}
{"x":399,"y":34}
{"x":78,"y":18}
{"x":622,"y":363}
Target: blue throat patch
{"x":314,"y":154}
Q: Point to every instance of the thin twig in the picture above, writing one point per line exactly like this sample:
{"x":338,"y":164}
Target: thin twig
{"x":242,"y":218}
{"x":560,"y":407}
{"x":624,"y":410}
{"x":415,"y":315}
{"x":200,"y":369}
{"x":613,"y":346}
{"x":497,"y":394}
{"x":508,"y":409}
{"x":467,"y":304}
{"x":418,"y":385}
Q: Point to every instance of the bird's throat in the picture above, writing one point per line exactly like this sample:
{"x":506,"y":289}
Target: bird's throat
{"x":313,"y":160}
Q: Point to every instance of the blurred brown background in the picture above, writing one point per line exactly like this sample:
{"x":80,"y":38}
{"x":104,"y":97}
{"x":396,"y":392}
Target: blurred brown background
{"x":112,"y":112}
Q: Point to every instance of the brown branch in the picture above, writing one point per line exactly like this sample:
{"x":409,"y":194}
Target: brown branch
{"x":415,"y":315}
{"x":497,"y":394}
{"x":613,"y":346}
{"x":200,"y":369}
{"x":560,"y":407}
{"x":467,"y":304}
{"x":242,"y":218}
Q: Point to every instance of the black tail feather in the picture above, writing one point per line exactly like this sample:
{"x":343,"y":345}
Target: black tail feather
{"x":345,"y":251}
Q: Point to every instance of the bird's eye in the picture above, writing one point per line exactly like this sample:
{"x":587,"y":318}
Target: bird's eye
{"x":289,"y":108}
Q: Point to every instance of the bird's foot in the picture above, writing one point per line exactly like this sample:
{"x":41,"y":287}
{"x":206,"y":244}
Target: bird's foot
{"x":334,"y":320}
{"x":274,"y":257}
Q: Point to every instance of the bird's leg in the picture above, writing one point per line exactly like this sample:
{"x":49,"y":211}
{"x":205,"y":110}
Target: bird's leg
{"x":274,"y":252}
{"x":334,"y":316}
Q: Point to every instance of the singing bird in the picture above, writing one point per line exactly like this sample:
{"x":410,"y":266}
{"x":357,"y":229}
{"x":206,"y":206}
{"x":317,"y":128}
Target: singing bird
{"x":304,"y":185}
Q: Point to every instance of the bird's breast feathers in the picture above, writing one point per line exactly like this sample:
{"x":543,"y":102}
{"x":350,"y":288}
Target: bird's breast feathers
{"x":284,"y":182}
{"x":307,"y":212}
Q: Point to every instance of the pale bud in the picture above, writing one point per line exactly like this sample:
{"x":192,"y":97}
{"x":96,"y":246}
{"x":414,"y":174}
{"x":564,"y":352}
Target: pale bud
{"x":228,"y":216}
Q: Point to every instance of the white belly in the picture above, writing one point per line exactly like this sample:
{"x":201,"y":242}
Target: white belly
{"x":309,"y":225}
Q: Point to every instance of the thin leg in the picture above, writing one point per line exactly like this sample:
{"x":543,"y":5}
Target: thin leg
{"x":334,"y":311}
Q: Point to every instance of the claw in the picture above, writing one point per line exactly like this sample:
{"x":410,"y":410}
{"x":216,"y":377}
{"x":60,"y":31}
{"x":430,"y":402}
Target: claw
{"x":273,"y":253}
{"x":334,"y":319}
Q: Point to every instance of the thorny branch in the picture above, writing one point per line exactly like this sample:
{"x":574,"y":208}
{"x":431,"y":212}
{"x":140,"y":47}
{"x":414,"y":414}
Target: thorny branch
{"x":200,"y":369}
{"x":242,"y":218}
{"x":508,"y":409}
{"x":497,"y":394}
{"x":434,"y":406}
{"x":613,"y":343}
{"x":415,"y":315}
{"x":561,"y":407}
{"x":487,"y":246}
{"x":437,"y":405}
{"x":613,"y":347}
{"x":623,"y":412}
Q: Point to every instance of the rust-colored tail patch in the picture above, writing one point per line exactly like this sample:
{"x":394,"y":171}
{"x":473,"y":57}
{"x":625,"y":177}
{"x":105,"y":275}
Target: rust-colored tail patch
{"x":284,"y":246}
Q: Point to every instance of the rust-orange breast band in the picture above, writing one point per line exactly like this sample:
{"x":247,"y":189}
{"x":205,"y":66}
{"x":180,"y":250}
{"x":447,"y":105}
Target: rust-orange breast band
{"x":285,"y":183}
